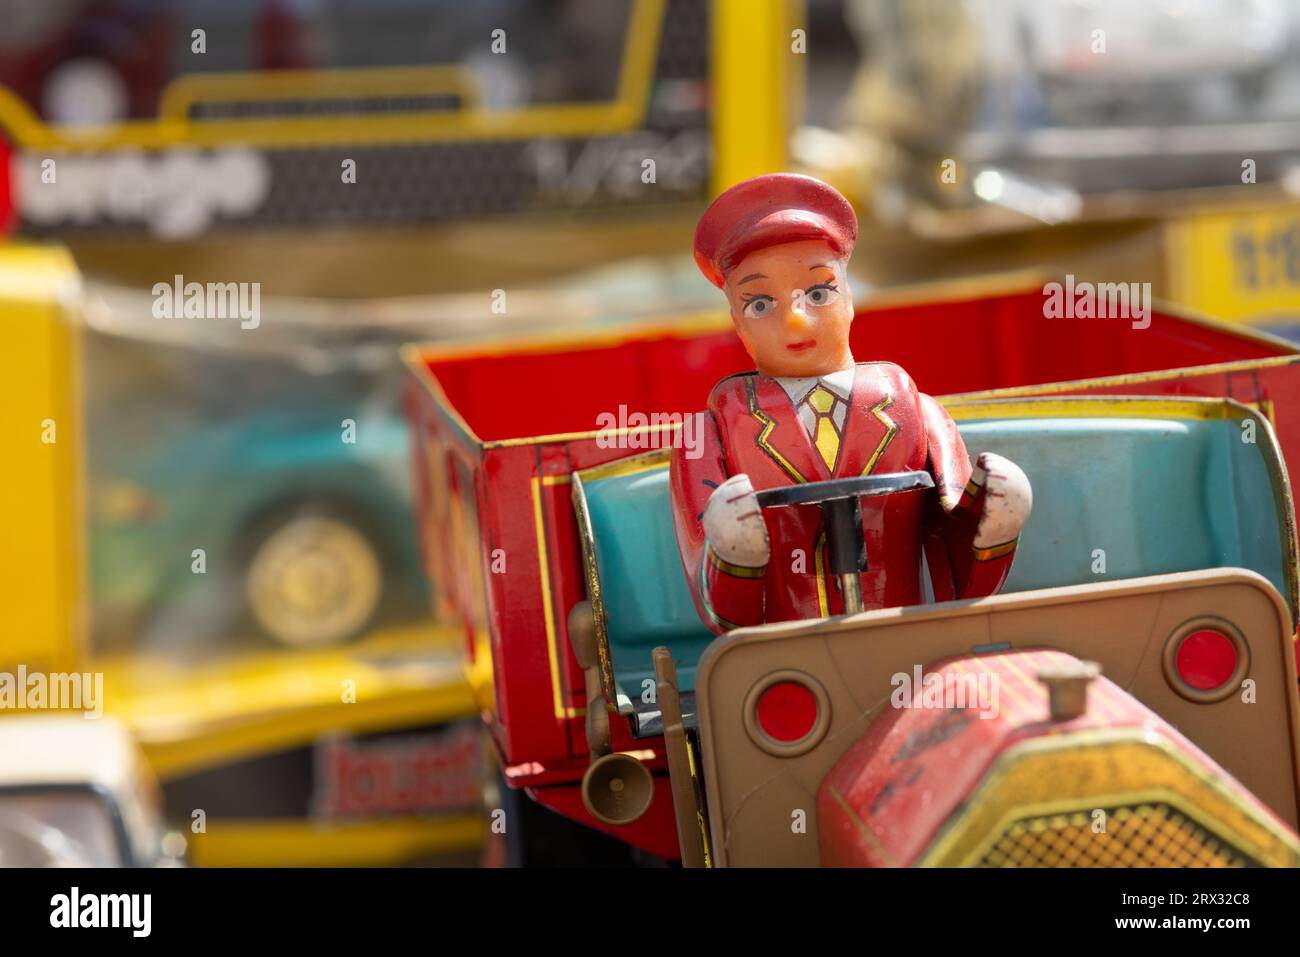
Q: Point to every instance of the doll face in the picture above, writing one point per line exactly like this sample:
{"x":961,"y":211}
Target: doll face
{"x":792,"y":310}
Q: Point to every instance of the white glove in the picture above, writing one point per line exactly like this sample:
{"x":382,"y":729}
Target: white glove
{"x":734,"y":526}
{"x":1007,"y":499}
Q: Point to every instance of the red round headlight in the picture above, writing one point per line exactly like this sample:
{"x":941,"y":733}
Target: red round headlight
{"x":1206,"y":660}
{"x":786,"y":711}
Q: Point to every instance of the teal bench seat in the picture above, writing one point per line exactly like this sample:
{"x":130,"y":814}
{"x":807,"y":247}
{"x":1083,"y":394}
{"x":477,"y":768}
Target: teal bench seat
{"x":1123,"y":488}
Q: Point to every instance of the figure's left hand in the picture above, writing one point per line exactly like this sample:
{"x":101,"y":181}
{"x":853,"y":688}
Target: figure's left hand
{"x":1008,"y":499}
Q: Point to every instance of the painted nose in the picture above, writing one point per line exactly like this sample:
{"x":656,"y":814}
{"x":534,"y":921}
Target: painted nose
{"x":796,"y":320}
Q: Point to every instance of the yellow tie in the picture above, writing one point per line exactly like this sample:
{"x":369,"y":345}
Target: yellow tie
{"x":825,"y":436}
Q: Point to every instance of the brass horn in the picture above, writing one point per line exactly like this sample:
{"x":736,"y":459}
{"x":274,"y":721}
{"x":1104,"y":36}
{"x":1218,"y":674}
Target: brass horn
{"x":617,"y":788}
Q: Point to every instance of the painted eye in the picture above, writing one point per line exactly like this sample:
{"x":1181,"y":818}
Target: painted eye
{"x":759,"y":306}
{"x":822,"y":295}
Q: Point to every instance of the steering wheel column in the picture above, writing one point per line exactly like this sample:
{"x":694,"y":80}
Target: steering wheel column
{"x":840,"y":501}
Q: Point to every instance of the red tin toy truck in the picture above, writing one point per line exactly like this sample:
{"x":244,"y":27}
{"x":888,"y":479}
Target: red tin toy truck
{"x":1158,"y":567}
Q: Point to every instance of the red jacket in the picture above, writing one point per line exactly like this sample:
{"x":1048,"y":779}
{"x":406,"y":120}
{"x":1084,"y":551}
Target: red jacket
{"x":752,"y":427}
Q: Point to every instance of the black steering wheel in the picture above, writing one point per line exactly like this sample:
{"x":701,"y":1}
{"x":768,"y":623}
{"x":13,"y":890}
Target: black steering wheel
{"x":833,"y":490}
{"x":840,"y":501}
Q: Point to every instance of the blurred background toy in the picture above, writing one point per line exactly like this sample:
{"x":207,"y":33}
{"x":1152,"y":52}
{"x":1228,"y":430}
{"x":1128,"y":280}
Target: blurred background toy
{"x":217,"y":511}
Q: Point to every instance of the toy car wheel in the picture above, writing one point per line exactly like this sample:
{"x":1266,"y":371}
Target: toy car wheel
{"x":314,"y":580}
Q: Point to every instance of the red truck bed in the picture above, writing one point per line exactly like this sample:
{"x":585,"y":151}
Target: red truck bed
{"x":499,"y":426}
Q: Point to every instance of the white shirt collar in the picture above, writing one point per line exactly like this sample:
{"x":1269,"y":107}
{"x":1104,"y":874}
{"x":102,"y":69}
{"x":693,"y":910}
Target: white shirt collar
{"x":839,"y":382}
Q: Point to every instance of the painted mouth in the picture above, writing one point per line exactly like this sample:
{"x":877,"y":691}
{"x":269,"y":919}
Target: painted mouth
{"x":802,"y":346}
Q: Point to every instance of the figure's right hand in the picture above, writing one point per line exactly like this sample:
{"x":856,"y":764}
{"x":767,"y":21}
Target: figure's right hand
{"x":733,"y":523}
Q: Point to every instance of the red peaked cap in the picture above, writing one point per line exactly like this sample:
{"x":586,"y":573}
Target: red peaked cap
{"x":767,"y":211}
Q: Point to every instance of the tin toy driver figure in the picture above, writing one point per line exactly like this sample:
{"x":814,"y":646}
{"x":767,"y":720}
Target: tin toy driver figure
{"x":823,"y":481}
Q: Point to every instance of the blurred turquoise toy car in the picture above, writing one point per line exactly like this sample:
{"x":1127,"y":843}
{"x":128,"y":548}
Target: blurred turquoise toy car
{"x":250,"y":497}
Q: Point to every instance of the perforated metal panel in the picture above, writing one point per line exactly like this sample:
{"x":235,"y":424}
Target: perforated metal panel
{"x":1143,"y":835}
